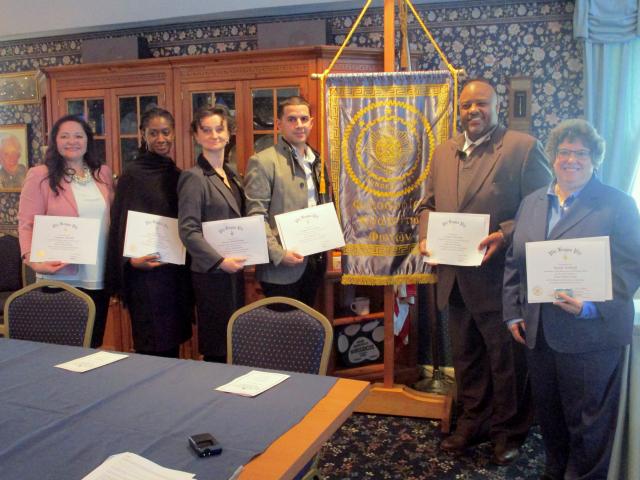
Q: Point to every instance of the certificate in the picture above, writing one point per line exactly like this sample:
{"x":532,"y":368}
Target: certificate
{"x":148,"y":234}
{"x":581,"y":266}
{"x":253,"y":383}
{"x":239,"y":237}
{"x":89,"y":362}
{"x":65,"y":239}
{"x":310,"y":230}
{"x":453,"y":238}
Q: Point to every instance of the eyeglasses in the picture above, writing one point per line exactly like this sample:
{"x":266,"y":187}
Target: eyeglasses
{"x":565,"y":153}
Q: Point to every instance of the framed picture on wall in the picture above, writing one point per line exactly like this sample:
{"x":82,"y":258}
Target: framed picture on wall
{"x":13,"y":157}
{"x":19,"y":87}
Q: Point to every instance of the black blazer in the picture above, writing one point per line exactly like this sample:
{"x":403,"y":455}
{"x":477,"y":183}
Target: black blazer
{"x":203,"y":197}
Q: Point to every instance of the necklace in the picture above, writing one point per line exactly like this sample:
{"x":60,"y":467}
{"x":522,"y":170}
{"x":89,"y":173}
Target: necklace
{"x":80,"y":180}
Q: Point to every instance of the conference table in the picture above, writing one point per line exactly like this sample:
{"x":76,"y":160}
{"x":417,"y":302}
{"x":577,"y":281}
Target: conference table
{"x":56,"y":424}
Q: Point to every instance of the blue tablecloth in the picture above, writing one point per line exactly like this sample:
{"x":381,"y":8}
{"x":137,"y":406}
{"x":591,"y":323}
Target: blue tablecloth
{"x":61,"y":425}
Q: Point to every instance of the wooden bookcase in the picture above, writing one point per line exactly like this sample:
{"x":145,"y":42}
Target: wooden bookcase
{"x":113,"y":95}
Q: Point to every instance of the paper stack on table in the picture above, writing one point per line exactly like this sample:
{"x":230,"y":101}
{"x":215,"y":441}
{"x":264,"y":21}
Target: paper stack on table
{"x":129,"y":466}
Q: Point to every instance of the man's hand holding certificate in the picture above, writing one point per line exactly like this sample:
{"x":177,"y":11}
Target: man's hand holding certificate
{"x":153,"y":234}
{"x":453,"y":238}
{"x":310,"y":230}
{"x":579,"y":267}
{"x":65,"y":239}
{"x":238,"y":237}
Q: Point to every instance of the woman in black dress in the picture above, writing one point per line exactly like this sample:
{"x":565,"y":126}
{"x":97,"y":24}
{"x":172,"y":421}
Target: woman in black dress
{"x":211,"y":191}
{"x":157,"y":295}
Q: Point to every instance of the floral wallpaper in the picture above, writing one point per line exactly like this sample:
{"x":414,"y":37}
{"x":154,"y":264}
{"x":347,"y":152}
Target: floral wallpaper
{"x":494,"y":39}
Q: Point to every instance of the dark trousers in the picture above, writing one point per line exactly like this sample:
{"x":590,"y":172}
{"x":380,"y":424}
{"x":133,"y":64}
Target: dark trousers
{"x":305,"y":288}
{"x":218,"y":295}
{"x":576,"y":398}
{"x":491,"y":375}
{"x":101,"y":300}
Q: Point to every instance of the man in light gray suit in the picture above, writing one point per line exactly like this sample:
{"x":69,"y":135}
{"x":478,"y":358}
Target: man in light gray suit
{"x":487,"y":169}
{"x":281,"y":179}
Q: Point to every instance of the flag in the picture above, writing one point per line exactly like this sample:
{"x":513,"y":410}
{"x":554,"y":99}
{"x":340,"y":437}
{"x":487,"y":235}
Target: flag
{"x":382,"y":130}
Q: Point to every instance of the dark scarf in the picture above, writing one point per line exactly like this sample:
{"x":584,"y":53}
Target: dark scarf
{"x":149,"y":185}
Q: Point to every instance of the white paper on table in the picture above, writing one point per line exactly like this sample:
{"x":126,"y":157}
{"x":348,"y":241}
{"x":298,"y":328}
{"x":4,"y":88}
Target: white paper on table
{"x":453,"y":238}
{"x":89,"y":362}
{"x":253,"y":383}
{"x":238,"y":237}
{"x":147,"y":234}
{"x":65,"y":239}
{"x":129,"y":466}
{"x":582,"y":265}
{"x":310,"y":230}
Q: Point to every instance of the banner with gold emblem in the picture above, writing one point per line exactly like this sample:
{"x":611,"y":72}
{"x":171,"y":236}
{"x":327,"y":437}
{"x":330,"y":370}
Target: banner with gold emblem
{"x":382,"y":130}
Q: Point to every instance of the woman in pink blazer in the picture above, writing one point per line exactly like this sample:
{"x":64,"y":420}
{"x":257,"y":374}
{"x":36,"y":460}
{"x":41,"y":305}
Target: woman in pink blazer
{"x":73,"y":182}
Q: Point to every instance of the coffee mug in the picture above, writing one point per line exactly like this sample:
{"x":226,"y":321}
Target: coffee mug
{"x":360,"y":306}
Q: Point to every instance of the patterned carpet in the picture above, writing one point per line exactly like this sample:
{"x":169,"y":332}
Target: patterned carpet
{"x":401,"y":448}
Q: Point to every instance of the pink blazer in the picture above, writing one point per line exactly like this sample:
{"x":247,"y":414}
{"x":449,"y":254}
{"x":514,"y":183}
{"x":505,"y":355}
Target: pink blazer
{"x":37,"y":198}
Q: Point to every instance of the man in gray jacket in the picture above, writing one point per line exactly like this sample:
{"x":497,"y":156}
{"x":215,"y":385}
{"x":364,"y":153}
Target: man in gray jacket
{"x":281,"y":179}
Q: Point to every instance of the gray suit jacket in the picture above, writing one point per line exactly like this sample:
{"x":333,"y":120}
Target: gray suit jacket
{"x":599,"y":210}
{"x":275,"y":183}
{"x":509,"y":166}
{"x":203,"y":197}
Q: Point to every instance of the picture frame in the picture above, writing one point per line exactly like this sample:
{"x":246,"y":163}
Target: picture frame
{"x":18,"y":88}
{"x":14,"y":157}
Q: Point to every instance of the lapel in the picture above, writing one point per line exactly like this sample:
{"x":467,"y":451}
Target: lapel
{"x":539,"y":220}
{"x":219,"y":185}
{"x":586,"y":202}
{"x":488,"y":155}
{"x":446,"y":165}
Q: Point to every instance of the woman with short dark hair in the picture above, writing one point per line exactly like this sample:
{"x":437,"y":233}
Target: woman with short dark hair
{"x":576,"y":346}
{"x":211,"y":191}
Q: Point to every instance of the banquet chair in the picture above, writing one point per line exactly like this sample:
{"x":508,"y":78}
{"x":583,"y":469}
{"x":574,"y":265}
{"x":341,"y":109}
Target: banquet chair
{"x":9,"y":272}
{"x":50,"y":311}
{"x":296,"y":340}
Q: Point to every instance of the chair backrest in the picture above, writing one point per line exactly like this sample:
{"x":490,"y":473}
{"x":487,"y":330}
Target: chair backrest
{"x":10,"y":264}
{"x":297,"y":340}
{"x":51,"y":312}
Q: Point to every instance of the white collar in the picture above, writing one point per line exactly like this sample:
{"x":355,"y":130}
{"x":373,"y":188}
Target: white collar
{"x":468,"y":142}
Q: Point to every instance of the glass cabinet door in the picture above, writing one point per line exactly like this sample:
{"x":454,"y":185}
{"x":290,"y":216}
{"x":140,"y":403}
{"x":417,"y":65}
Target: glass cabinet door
{"x":93,"y":111}
{"x":130,"y":109}
{"x":264,"y":107}
{"x":203,"y":99}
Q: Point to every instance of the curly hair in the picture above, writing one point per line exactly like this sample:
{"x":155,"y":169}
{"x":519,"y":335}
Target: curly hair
{"x":55,"y":162}
{"x":205,"y":112}
{"x":572,"y":130}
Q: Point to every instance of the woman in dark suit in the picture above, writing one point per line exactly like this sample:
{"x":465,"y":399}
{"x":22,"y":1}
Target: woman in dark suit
{"x":576,"y":347}
{"x":157,"y":295}
{"x":211,"y":191}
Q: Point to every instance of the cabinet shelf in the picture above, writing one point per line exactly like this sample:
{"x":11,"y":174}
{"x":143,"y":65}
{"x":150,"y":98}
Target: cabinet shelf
{"x":356,"y":319}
